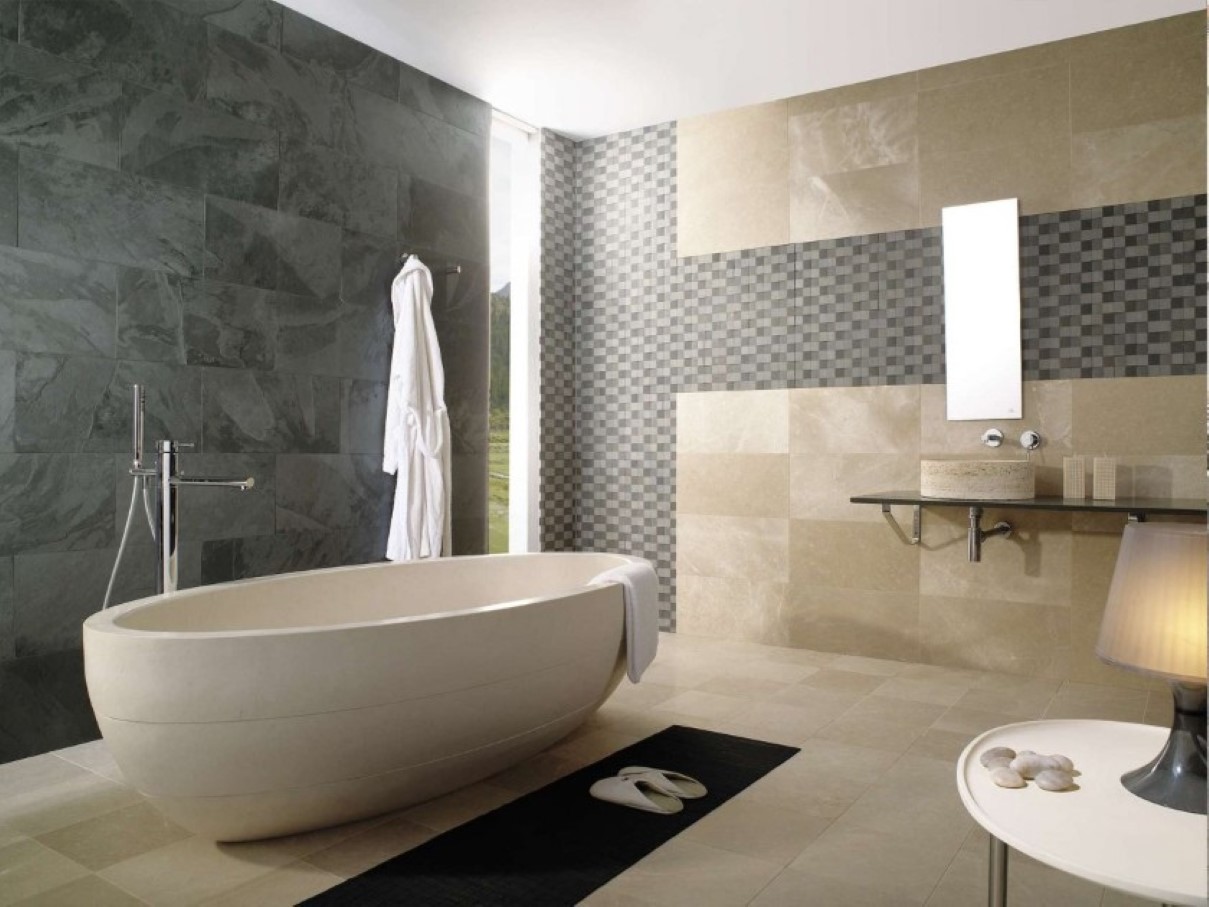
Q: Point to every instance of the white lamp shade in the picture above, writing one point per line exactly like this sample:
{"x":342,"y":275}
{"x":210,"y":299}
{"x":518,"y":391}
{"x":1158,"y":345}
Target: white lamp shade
{"x":1154,"y":621}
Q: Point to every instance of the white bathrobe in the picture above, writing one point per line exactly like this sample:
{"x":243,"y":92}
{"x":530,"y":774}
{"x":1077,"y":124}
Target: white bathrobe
{"x":417,"y":424}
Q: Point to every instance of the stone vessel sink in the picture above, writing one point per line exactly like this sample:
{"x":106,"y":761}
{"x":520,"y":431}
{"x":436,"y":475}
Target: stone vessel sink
{"x":977,"y":480}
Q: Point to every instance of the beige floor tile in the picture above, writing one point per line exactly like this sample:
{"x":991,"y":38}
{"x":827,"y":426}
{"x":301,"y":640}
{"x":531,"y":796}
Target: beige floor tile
{"x":685,"y":872}
{"x":114,"y":836}
{"x":591,"y":746}
{"x":939,"y":692}
{"x":95,"y":757}
{"x":905,"y":866}
{"x":460,"y":806}
{"x":772,"y":670}
{"x":944,"y":746}
{"x":878,"y":667}
{"x":800,"y":889}
{"x":27,"y":868}
{"x":1025,"y":704}
{"x":533,"y":773}
{"x":826,"y":703}
{"x":742,"y":687}
{"x":280,"y":888}
{"x":45,"y":792}
{"x":680,"y":674}
{"x":761,"y":830}
{"x":896,"y":711}
{"x":639,"y":695}
{"x":790,"y":724}
{"x":86,"y":891}
{"x":838,"y":681}
{"x":827,"y":758}
{"x":824,"y":796}
{"x":964,"y":883}
{"x":363,"y":851}
{"x":704,"y":705}
{"x":872,"y":732}
{"x":973,"y":721}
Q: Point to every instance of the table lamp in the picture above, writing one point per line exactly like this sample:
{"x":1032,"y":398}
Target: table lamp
{"x":1154,"y":623}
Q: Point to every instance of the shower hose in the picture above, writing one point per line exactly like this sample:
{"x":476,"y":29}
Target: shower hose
{"x":140,"y":484}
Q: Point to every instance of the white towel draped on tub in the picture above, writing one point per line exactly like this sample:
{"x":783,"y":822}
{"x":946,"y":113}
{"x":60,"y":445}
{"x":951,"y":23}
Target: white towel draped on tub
{"x":417,"y":425}
{"x":640,"y":590}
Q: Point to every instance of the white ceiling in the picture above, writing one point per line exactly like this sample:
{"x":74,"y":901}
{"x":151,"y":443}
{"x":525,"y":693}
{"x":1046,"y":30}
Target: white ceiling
{"x":592,"y":67}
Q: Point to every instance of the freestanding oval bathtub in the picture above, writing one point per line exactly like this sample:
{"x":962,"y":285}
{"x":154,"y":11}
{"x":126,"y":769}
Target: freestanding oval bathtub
{"x":270,"y":706}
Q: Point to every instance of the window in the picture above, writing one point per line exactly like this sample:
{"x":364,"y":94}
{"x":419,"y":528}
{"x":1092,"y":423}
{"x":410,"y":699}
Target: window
{"x":512,"y":519}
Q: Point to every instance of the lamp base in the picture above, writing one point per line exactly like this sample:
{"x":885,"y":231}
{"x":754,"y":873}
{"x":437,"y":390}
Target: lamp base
{"x":1176,"y":776}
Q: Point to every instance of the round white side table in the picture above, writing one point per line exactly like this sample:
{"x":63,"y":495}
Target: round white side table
{"x":1100,"y":831}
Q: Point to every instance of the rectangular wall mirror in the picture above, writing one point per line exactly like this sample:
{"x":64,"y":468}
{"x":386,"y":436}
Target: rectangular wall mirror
{"x":982,"y":310}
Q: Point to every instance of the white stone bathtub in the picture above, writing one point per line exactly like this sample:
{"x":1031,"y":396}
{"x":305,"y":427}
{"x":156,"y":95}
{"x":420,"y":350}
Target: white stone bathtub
{"x":269,"y":706}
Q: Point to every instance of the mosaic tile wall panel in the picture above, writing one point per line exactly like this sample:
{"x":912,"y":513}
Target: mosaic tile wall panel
{"x":559,"y":468}
{"x":1105,"y":292}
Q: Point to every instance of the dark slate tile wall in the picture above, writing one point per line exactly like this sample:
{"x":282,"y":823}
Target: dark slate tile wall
{"x":1106,"y":292}
{"x":210,"y":197}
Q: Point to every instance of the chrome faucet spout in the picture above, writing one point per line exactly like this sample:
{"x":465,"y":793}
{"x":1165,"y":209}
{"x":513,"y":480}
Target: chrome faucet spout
{"x":214,"y":482}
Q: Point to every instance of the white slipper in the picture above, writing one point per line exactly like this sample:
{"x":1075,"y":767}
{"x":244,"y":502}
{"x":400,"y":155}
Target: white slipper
{"x":637,"y":793}
{"x":674,"y":783}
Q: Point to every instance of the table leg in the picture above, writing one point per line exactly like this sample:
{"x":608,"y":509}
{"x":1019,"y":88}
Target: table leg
{"x":997,"y":880}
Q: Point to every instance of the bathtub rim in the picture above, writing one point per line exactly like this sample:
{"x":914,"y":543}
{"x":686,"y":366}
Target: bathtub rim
{"x":106,"y":620}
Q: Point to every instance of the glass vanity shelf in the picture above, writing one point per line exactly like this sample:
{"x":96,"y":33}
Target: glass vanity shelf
{"x":1135,"y":507}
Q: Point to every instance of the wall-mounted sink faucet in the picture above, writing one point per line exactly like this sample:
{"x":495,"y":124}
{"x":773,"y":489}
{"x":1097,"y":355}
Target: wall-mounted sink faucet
{"x":165,"y":526}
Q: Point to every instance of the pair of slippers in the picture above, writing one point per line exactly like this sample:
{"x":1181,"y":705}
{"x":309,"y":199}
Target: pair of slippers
{"x":652,"y":790}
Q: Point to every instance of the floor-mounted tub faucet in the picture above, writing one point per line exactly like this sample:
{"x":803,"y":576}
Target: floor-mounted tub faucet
{"x":168,"y":482}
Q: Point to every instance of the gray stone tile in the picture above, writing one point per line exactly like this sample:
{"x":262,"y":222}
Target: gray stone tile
{"x":8,"y":195}
{"x":261,"y":85}
{"x":56,"y":305}
{"x":56,"y":591}
{"x":256,"y":20}
{"x":448,"y":222}
{"x":83,"y":211}
{"x":55,"y":502}
{"x":243,"y":327}
{"x":320,"y":183}
{"x":363,"y":421}
{"x":460,"y":316}
{"x":44,"y":705}
{"x":57,"y":398}
{"x":337,"y":491}
{"x":21,"y":59}
{"x":247,"y":411}
{"x":360,"y":64}
{"x":9,"y":11}
{"x":262,"y":248}
{"x":382,"y":130}
{"x":173,"y":406}
{"x":140,"y":41}
{"x":286,"y":552}
{"x":216,"y":562}
{"x":149,"y":316}
{"x":8,"y":398}
{"x":8,"y":648}
{"x":207,"y":150}
{"x":228,"y":325}
{"x":430,"y":95}
{"x":307,"y":333}
{"x":78,"y":117}
{"x":368,"y":265}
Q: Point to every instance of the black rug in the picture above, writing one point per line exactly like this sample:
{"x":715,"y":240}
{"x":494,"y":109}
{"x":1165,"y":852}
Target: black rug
{"x":557,"y":845}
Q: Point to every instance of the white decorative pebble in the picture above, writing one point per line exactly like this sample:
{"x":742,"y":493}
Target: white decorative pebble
{"x":1005,"y":777}
{"x":1054,"y":779}
{"x":1029,"y":764}
{"x":1062,"y":762}
{"x":994,"y":754}
{"x":997,"y":762}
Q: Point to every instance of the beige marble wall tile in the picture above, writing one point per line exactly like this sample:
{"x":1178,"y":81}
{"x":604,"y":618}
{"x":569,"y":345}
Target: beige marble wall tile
{"x":1151,"y":71}
{"x":1039,"y":56}
{"x":1036,"y":170}
{"x":743,"y":547}
{"x":727,"y":608}
{"x":820,"y":485}
{"x":840,"y":555}
{"x":733,"y":484}
{"x":854,"y":621}
{"x":1139,"y":416}
{"x":843,"y":420}
{"x":995,"y":634}
{"x":1048,"y":409}
{"x":858,"y":93}
{"x":852,"y":136}
{"x":1160,"y":477}
{"x":733,"y":179}
{"x":733,"y":422}
{"x":1032,"y":566}
{"x":1158,"y":159}
{"x":853,"y":203}
{"x":1008,"y":110}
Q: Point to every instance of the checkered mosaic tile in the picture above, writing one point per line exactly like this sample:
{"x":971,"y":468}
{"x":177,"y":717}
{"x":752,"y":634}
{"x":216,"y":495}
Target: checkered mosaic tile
{"x":1105,"y":292}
